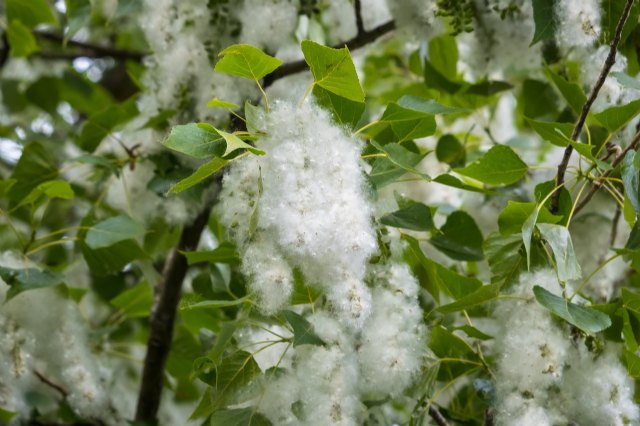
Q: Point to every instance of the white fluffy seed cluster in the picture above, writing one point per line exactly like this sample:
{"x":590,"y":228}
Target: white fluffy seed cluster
{"x":50,"y":342}
{"x":268,"y":23}
{"x":498,"y":44}
{"x":179,"y":73}
{"x":130,"y":194}
{"x":326,"y":384}
{"x":578,"y":23}
{"x":544,"y":378}
{"x":312,"y":211}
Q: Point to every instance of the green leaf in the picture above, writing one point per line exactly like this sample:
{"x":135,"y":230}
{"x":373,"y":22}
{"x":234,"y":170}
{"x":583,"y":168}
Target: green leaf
{"x":451,"y":151}
{"x":611,"y":12}
{"x":303,"y":332}
{"x":631,"y":179}
{"x":6,"y":416}
{"x":235,"y":371}
{"x":506,"y":258}
{"x":113,"y":230}
{"x":555,"y":133}
{"x":234,"y":143}
{"x":586,"y":319}
{"x":217,"y":103}
{"x":449,"y":281}
{"x":20,"y":280}
{"x":78,"y":14}
{"x":224,"y":253}
{"x":254,"y":115}
{"x":238,"y":417}
{"x":135,"y":302}
{"x":633,"y":364}
{"x":160,"y":120}
{"x":544,"y":19}
{"x":200,"y":140}
{"x":102,"y":123}
{"x":21,"y":39}
{"x":482,"y":295}
{"x":559,"y":239}
{"x":443,"y":54}
{"x":45,"y":93}
{"x":570,"y":91}
{"x":487,"y":88}
{"x":345,"y":111}
{"x":454,"y":182}
{"x":399,"y":161}
{"x":203,"y":172}
{"x":415,"y":216}
{"x":187,"y":305}
{"x":246,"y":61}
{"x":333,"y":70}
{"x":626,"y":80}
{"x":30,"y":12}
{"x":499,"y":166}
{"x":445,"y":344}
{"x":527,"y":232}
{"x":428,"y":106}
{"x":436,"y":80}
{"x":50,"y":189}
{"x":36,"y":165}
{"x":616,"y":117}
{"x":513,"y":216}
{"x":408,"y":124}
{"x":631,"y":300}
{"x":459,"y":238}
{"x":109,"y":260}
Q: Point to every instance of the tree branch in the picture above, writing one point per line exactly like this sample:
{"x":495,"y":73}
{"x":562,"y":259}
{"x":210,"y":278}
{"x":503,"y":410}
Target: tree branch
{"x":577,"y":130}
{"x":163,"y":318}
{"x":437,"y":417}
{"x":362,"y":39}
{"x":635,"y":142}
{"x":87,"y":50}
{"x":359,"y":22}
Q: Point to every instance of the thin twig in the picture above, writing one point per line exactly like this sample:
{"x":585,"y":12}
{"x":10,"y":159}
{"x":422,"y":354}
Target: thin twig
{"x":163,"y":317}
{"x":44,"y":379}
{"x":614,"y":225}
{"x":437,"y":417}
{"x":87,"y":50}
{"x":4,"y":53}
{"x":632,"y":146}
{"x":357,"y":42}
{"x":577,"y":130}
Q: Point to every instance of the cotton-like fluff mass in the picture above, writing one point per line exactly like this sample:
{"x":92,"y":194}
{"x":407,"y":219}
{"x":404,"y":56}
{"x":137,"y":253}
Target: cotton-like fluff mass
{"x":612,"y":93}
{"x":392,"y":342}
{"x":546,"y":377}
{"x":339,"y":18}
{"x":130,"y":194}
{"x":597,"y":390}
{"x":578,"y":23}
{"x":498,"y":43}
{"x":591,"y":234}
{"x":268,"y":23}
{"x":532,"y":350}
{"x":417,"y":17}
{"x":50,"y":343}
{"x":179,"y":72}
{"x":312,"y":208}
{"x":319,"y":390}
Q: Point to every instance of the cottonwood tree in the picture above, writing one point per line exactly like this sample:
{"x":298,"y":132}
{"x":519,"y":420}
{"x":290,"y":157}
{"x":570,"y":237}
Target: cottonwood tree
{"x":331,"y":212}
